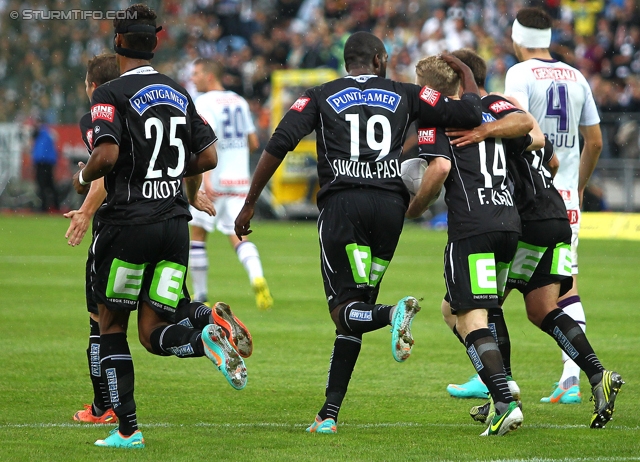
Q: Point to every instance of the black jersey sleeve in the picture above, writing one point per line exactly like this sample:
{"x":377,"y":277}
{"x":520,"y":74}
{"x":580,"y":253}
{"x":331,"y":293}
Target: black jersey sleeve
{"x":433,"y":142}
{"x":547,"y":152}
{"x":202,"y":134}
{"x":86,"y":131}
{"x":300,"y":120}
{"x":435,"y":109}
{"x":105,"y":117}
{"x":498,"y":106}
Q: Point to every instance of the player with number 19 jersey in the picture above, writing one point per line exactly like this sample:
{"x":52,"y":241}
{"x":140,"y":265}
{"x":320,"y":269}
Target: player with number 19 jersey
{"x":559,"y":98}
{"x":147,"y":114}
{"x":361,"y":123}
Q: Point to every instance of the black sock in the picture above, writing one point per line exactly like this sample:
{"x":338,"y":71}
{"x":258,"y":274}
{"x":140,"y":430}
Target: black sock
{"x":177,"y":340}
{"x":573,"y":341}
{"x":343,"y":359}
{"x":485,"y":357}
{"x":457,"y":334}
{"x":101,"y":400}
{"x":117,"y":372}
{"x":193,"y":314}
{"x":360,"y":317}
{"x":498,"y":328}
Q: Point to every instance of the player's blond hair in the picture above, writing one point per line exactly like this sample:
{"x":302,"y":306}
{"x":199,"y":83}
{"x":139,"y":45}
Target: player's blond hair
{"x":434,"y":72}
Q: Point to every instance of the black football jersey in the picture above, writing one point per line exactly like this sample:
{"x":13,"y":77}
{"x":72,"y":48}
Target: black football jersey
{"x":361,"y":123}
{"x":536,"y":197}
{"x":479,"y":192}
{"x":154,"y":122}
{"x":86,"y":131}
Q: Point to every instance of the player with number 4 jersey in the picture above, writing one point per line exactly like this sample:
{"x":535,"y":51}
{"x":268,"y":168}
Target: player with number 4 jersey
{"x":560,"y":99}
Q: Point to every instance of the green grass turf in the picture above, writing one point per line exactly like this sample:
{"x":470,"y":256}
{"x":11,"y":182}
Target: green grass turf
{"x":393,"y":411}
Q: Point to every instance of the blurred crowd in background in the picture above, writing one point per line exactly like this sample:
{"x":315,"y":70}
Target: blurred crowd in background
{"x":43,"y":62}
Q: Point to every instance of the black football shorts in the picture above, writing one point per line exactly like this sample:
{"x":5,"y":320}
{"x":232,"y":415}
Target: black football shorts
{"x":358,"y":231}
{"x":141,"y":263}
{"x":543,"y":256}
{"x":476,"y":268}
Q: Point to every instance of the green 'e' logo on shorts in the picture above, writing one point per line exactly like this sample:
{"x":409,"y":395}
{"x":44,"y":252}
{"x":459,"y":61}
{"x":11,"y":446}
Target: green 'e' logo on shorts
{"x":526,"y":261}
{"x":166,"y":287}
{"x":125,"y":280}
{"x":482,"y":273}
{"x":365,"y":268}
{"x":562,"y":260}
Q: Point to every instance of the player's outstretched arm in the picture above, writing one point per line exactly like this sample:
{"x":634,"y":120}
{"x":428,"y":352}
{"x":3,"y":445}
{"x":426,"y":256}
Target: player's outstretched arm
{"x":590,"y":155}
{"x":81,"y":218}
{"x":432,"y":182}
{"x":267,"y":166}
{"x":102,"y":160}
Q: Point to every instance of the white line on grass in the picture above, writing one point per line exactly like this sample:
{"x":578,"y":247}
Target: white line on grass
{"x":286,"y":425}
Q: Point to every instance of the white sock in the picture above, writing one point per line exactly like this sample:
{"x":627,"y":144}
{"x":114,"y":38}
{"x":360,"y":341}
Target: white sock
{"x":250,"y":259}
{"x":198,"y":267}
{"x":576,"y":311}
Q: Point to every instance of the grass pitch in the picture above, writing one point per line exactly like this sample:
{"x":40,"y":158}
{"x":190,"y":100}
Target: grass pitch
{"x":393,"y":411}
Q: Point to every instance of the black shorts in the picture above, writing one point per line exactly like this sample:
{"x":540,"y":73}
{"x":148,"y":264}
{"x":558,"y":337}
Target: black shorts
{"x":543,"y":256}
{"x":141,"y":263}
{"x":358,"y":231}
{"x":475,"y":270}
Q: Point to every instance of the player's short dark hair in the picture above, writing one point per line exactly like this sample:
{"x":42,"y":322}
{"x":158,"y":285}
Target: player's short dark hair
{"x":212,"y":67}
{"x":475,"y":62}
{"x":139,"y":14}
{"x":534,"y":18}
{"x":102,"y":68}
{"x":360,"y":49}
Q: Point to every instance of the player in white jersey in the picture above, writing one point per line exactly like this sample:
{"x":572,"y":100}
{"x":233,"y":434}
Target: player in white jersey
{"x":560,"y":99}
{"x":228,"y":184}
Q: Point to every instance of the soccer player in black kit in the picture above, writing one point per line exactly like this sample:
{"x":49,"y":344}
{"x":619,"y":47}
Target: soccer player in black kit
{"x":541,"y":267}
{"x":147,"y":137}
{"x":360,"y":121}
{"x":483,"y":228}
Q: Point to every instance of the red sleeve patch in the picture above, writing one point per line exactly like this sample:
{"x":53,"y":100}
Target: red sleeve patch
{"x":203,"y":119}
{"x":500,"y":106}
{"x":429,"y":95}
{"x":426,"y":136}
{"x":103,"y":111}
{"x":300,"y":103}
{"x":89,"y":136}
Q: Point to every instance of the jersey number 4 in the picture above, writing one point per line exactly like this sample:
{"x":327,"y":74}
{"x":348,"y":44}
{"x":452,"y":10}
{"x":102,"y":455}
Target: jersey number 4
{"x":557,"y":105}
{"x":156,"y":123}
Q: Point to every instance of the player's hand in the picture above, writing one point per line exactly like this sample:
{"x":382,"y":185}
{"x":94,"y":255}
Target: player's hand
{"x":78,"y":226}
{"x":243,"y":221}
{"x":80,"y":189}
{"x":463,"y":137}
{"x":455,"y":63}
{"x":204,"y":204}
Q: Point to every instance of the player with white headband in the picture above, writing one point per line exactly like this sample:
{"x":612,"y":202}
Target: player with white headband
{"x":560,"y":99}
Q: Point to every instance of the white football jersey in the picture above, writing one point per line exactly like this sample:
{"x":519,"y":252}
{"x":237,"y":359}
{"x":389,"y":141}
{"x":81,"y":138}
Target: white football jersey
{"x":560,"y":99}
{"x":229,"y":116}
